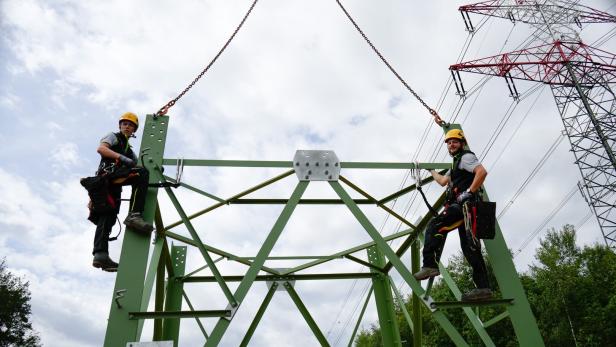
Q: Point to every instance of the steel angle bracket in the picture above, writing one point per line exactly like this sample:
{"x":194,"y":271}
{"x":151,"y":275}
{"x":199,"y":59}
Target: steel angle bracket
{"x":281,"y":281}
{"x":232,"y":310}
{"x":316,"y":165}
{"x":429,"y":302}
{"x":150,"y":344}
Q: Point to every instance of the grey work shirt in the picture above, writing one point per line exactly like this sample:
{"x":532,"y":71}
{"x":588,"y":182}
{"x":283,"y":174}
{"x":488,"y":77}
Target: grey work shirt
{"x":468,"y":162}
{"x":111,"y":139}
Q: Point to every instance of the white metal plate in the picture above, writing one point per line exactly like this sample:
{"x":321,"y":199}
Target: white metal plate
{"x":316,"y":165}
{"x":150,"y":344}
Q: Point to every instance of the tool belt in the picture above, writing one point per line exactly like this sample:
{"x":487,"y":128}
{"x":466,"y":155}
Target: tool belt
{"x":101,"y":201}
{"x":480,"y":218}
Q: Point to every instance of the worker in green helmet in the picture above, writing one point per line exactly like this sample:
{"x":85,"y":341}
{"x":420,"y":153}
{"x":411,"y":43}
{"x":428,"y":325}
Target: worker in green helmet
{"x":463,"y":182}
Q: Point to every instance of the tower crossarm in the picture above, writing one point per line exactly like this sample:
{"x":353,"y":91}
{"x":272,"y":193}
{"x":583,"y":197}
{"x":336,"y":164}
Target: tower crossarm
{"x":535,"y":12}
{"x":546,"y":63}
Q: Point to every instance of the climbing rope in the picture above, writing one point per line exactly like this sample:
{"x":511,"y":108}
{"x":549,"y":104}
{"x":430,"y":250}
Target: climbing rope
{"x":163,"y":110}
{"x":434,"y":114}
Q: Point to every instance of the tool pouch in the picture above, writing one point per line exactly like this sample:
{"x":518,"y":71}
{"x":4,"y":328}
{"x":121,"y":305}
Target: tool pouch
{"x":101,"y":201}
{"x":480,"y":218}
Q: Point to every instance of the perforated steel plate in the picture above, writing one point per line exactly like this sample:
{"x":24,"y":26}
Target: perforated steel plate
{"x":316,"y":165}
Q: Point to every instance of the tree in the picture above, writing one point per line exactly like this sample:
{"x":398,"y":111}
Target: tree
{"x":571,"y":290}
{"x":15,"y":326}
{"x":574,"y":291}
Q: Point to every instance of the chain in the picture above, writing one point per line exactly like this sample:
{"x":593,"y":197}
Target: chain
{"x":163,"y":110}
{"x":434,"y":114}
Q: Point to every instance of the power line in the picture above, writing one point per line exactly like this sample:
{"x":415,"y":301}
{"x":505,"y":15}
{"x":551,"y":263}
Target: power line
{"x":506,"y":146}
{"x":532,"y":174}
{"x":546,"y":220}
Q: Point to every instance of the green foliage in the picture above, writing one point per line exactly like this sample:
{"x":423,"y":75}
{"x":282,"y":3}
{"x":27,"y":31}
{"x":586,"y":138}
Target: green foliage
{"x":15,"y":325}
{"x":571,"y":290}
{"x":574,"y":291}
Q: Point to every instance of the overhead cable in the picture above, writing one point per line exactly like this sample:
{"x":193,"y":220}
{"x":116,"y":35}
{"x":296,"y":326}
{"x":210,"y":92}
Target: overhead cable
{"x":546,"y":220}
{"x":532,"y":174}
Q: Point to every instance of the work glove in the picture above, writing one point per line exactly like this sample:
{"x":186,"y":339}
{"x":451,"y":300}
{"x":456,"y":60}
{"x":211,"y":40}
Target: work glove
{"x":127,"y":161}
{"x":466,"y":195}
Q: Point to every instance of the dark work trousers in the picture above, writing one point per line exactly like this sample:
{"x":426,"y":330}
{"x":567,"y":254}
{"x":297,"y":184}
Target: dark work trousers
{"x":137,"y":178}
{"x":436,"y":234}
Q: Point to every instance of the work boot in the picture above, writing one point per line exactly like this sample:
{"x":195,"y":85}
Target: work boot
{"x":103,"y":262}
{"x":426,"y":272}
{"x":477,"y":294}
{"x":135,"y":220}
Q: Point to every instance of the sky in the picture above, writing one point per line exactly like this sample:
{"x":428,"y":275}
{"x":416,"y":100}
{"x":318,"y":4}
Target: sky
{"x":297,"y":76}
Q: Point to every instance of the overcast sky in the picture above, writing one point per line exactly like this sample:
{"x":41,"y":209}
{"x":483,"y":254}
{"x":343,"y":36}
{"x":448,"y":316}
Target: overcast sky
{"x":297,"y":76}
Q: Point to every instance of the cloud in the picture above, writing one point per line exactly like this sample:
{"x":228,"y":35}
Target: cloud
{"x":297,"y":76}
{"x":63,"y":156}
{"x":10,"y":100}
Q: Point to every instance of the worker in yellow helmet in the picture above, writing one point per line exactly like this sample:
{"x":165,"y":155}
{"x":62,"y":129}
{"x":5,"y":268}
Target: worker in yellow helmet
{"x":463,"y":183}
{"x":117,"y":168}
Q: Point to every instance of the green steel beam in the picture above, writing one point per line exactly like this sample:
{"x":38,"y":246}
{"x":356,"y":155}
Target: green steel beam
{"x":496,"y":319}
{"x":194,"y":189}
{"x":173,"y":302}
{"x":521,"y":315}
{"x":149,"y":279}
{"x":159,"y":299}
{"x":453,"y":333}
{"x":402,"y":305}
{"x":263,"y":253}
{"x":390,"y":333}
{"x":415,"y":300}
{"x":217,"y":251}
{"x":403,"y":166}
{"x":407,"y":189}
{"x":361,"y":316}
{"x":210,"y":262}
{"x":364,"y":263}
{"x":234,"y":197}
{"x":306,"y":314}
{"x":128,"y":289}
{"x":289,"y":164}
{"x":301,"y":202}
{"x":190,"y":305}
{"x":297,"y":257}
{"x":293,"y":277}
{"x":176,"y":315}
{"x":457,"y":304}
{"x":159,"y":296}
{"x":231,"y":163}
{"x":259,"y":315}
{"x":345,"y":252}
{"x":202,"y":268}
{"x":369,"y":197}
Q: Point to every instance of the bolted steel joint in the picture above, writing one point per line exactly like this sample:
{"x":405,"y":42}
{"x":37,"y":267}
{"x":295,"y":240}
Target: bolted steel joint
{"x":316,"y":165}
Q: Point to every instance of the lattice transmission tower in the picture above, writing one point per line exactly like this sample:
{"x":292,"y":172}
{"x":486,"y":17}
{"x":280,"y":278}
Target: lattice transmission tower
{"x":164,"y":271}
{"x":581,"y":79}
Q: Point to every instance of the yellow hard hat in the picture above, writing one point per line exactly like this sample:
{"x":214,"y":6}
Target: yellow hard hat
{"x":131,"y":117}
{"x":455,"y":134}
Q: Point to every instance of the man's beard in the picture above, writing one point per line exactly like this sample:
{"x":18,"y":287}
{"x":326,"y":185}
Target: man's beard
{"x":453,"y":154}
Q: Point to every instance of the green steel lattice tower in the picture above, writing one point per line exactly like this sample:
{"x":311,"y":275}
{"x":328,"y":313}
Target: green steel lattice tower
{"x":165,"y":272}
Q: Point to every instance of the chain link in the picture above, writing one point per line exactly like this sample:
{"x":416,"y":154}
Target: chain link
{"x":434,"y":114}
{"x":163,"y":110}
